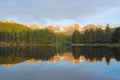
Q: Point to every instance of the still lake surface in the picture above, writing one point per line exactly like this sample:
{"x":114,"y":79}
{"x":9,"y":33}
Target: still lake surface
{"x":55,"y":63}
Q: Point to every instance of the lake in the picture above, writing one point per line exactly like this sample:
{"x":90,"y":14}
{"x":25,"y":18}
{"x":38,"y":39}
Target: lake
{"x":58,"y":63}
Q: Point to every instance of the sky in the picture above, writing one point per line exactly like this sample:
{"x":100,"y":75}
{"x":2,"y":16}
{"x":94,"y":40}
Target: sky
{"x":61,"y":12}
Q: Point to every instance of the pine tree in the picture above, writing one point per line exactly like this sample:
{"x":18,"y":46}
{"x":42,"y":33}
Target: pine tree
{"x":76,"y":37}
{"x":116,"y":36}
{"x":108,"y":34}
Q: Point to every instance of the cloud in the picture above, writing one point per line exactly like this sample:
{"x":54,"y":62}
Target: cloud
{"x":61,"y":12}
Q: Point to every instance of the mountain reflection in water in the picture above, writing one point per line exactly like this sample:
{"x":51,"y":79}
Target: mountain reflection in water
{"x":10,"y":56}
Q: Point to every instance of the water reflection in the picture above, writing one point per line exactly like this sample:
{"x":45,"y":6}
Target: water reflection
{"x":13,"y":55}
{"x":93,"y":54}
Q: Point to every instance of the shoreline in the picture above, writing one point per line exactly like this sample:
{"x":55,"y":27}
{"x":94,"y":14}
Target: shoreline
{"x":99,"y":44}
{"x":86,"y":44}
{"x":25,"y":44}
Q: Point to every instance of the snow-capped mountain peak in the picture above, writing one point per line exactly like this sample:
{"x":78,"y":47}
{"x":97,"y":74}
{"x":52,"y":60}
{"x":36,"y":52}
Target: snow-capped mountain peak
{"x":9,"y":21}
{"x":33,"y":26}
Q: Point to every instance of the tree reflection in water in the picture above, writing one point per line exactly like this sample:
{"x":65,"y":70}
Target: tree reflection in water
{"x":13,"y":55}
{"x":96,"y":53}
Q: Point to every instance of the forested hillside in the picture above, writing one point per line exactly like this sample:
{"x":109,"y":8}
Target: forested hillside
{"x":11,"y":27}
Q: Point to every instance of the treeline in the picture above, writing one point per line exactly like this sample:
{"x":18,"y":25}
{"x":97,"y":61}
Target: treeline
{"x":29,"y":36}
{"x":98,"y":35}
{"x":43,"y":36}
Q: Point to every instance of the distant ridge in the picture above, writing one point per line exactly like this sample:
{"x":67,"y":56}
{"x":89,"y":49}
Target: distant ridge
{"x":9,"y":21}
{"x":10,"y":25}
{"x":91,"y":26}
{"x":35,"y":27}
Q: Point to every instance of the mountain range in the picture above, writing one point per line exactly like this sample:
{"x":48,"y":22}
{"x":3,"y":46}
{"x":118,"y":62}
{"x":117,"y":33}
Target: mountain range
{"x":68,"y":30}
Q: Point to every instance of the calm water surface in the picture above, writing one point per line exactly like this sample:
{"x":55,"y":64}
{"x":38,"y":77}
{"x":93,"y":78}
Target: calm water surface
{"x":54,"y":63}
